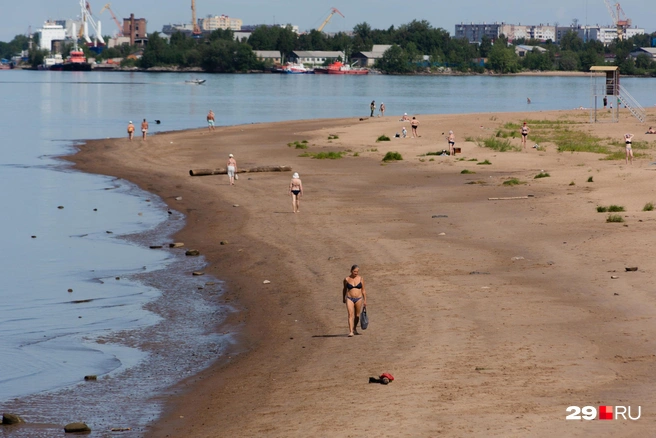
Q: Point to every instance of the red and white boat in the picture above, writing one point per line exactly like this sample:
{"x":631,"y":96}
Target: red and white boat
{"x":291,"y":68}
{"x":339,"y":68}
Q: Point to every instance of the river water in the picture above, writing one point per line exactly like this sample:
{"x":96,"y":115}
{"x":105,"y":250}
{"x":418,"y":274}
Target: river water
{"x":97,"y":244}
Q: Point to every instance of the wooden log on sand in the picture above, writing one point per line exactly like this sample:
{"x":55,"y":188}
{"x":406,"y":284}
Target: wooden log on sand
{"x":510,"y":198}
{"x":223,"y":171}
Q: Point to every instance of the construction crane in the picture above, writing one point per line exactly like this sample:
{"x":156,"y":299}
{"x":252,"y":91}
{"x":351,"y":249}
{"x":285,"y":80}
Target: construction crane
{"x":108,"y":7}
{"x":332,"y":12}
{"x":196,"y":33}
{"x":87,"y":20}
{"x":621,"y":22}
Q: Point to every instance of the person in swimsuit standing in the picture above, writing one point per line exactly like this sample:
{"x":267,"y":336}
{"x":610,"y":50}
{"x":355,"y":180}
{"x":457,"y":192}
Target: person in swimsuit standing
{"x":628,"y":140}
{"x":414,"y":123}
{"x":372,"y":107}
{"x":232,"y":169}
{"x":382,"y":109}
{"x":296,"y":190}
{"x":451,"y":138}
{"x":130,"y":130}
{"x":210,"y":121}
{"x":524,"y":131}
{"x":355,"y":298}
{"x":144,"y":130}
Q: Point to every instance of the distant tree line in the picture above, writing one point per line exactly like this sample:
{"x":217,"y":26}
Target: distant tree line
{"x":416,"y":47}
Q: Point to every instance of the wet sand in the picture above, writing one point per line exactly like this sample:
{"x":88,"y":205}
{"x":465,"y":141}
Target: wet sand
{"x":492,"y":328}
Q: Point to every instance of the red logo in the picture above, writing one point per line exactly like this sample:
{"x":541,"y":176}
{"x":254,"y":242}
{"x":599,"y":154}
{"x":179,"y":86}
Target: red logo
{"x":605,"y":412}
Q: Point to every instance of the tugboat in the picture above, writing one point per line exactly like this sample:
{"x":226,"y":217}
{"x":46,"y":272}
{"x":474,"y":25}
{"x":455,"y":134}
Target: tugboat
{"x":75,"y":62}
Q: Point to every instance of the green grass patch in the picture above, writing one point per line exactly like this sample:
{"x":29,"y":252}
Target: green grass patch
{"x":615,"y":208}
{"x":323,"y":155}
{"x":572,"y":183}
{"x":383,"y":138}
{"x":473,"y":159}
{"x":541,"y":175}
{"x":432,"y":159}
{"x":476,"y":182}
{"x":466,"y":172}
{"x":484,"y":163}
{"x":298,"y":144}
{"x":392,"y":156}
{"x":356,"y":154}
{"x":333,"y":137}
{"x":648,"y":207}
{"x":511,"y":125}
{"x":614,"y":218}
{"x":433,"y":153}
{"x":590,"y":179}
{"x":471,"y":139}
{"x":497,"y":145}
{"x":513,"y":182}
{"x":601,"y":209}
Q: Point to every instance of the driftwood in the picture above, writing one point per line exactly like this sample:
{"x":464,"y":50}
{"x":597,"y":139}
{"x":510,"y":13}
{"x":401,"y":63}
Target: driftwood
{"x":508,"y":198}
{"x":223,"y":171}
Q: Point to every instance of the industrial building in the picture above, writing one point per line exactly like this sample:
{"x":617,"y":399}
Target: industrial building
{"x":50,"y":32}
{"x":135,"y":29}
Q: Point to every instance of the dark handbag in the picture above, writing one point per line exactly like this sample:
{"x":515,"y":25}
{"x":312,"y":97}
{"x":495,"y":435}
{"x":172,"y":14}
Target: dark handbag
{"x":364,"y":319}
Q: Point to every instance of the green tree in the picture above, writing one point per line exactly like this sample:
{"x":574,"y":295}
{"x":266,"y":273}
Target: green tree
{"x":485,"y":46}
{"x":394,"y":60}
{"x":503,"y":59}
{"x":36,"y":57}
{"x":571,"y":42}
{"x":569,"y":61}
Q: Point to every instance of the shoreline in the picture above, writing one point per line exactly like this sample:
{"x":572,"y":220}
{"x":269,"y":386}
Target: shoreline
{"x":291,"y":330}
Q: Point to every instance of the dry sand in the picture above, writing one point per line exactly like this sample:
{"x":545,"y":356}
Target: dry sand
{"x":493,"y":328}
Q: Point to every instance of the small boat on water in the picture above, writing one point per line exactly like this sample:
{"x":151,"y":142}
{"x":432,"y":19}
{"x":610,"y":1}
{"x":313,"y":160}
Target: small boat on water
{"x":339,"y":68}
{"x":196,"y":81}
{"x":292,"y":68}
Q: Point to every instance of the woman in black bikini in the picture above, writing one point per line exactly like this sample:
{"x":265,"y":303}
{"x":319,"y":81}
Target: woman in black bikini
{"x":296,"y":190}
{"x":355,"y":298}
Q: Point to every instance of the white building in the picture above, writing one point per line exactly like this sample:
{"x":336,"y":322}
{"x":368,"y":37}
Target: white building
{"x":50,"y":32}
{"x":606,"y":35}
{"x":517,"y":31}
{"x":211,"y":23}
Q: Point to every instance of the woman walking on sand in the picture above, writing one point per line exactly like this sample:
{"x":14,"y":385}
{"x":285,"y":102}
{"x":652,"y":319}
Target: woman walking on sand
{"x":382,"y":109}
{"x":524,"y":131}
{"x":232,"y":169}
{"x":355,"y":298}
{"x":628,"y":140}
{"x":144,"y":130}
{"x":414,"y":123}
{"x":130,"y":130}
{"x":296,"y":190}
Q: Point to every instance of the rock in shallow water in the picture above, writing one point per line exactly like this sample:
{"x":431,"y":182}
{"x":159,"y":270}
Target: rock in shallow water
{"x":11,"y":419}
{"x":76,"y":427}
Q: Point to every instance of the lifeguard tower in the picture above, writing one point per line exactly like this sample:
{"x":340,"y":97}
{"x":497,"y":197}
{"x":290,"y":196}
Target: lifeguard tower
{"x":608,"y":85}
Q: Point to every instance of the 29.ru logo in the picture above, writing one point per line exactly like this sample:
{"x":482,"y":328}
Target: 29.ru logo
{"x":605,"y":413}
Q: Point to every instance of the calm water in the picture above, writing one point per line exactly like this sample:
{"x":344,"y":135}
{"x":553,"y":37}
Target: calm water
{"x":48,"y":341}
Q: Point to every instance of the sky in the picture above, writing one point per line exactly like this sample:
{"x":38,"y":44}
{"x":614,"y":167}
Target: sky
{"x":17,"y":16}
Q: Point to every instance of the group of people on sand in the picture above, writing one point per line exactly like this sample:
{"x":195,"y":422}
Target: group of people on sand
{"x":144,"y":130}
{"x":372,"y":107}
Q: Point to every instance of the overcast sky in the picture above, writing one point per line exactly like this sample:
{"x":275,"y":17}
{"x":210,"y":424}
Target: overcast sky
{"x":16,"y":16}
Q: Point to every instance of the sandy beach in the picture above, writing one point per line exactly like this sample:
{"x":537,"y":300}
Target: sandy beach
{"x":493,"y":316}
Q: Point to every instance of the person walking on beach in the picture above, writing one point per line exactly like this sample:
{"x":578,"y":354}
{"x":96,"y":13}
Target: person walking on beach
{"x":451,"y":138}
{"x":414,"y":123}
{"x":144,"y":129}
{"x":382,"y":109}
{"x":232,"y":169}
{"x":296,"y":190}
{"x":130,"y":130}
{"x":210,"y":121}
{"x":372,"y":107}
{"x":524,"y":131}
{"x":355,"y":298}
{"x":628,"y":142}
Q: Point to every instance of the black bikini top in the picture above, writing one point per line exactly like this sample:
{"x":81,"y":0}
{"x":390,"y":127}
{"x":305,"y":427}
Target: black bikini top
{"x":349,"y":286}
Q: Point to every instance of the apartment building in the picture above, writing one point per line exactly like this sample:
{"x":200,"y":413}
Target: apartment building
{"x":212,"y":23}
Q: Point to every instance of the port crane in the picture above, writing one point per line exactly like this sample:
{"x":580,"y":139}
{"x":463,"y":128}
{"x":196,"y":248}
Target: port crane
{"x":108,"y":7}
{"x":620,"y":20}
{"x":332,"y":12}
{"x":87,"y":19}
{"x":196,"y":33}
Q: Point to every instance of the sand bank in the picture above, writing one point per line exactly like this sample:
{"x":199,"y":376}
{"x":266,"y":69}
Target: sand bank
{"x":493,"y":318}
